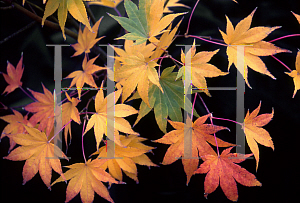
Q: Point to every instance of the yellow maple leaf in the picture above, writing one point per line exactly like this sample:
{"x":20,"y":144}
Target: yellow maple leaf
{"x":200,"y":68}
{"x":297,"y":16}
{"x":87,"y":39}
{"x":39,"y":153}
{"x":172,"y":3}
{"x":80,"y":77}
{"x":295,"y":74}
{"x":75,"y":7}
{"x":128,"y":156}
{"x":106,"y":106}
{"x":87,"y":178}
{"x":254,"y":46}
{"x":137,"y":69}
{"x":107,"y":3}
{"x":254,"y":132}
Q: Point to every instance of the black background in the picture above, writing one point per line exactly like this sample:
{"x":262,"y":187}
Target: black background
{"x":277,"y":169}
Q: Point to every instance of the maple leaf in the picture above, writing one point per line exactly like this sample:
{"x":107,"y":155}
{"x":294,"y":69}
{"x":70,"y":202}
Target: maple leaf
{"x":254,"y":46}
{"x":200,"y":68}
{"x":100,"y":122}
{"x":144,"y":22}
{"x":87,"y":178}
{"x":137,"y":69}
{"x":167,"y":104}
{"x":13,"y":76}
{"x":80,"y":77}
{"x":172,"y":3}
{"x":39,"y":153}
{"x":75,"y":7}
{"x":14,"y":126}
{"x":69,"y":111}
{"x":223,"y":170}
{"x":297,"y":16}
{"x":107,"y":3}
{"x":86,"y":39}
{"x":201,"y":134}
{"x":128,"y":156}
{"x":255,"y":134}
{"x":43,"y":110}
{"x":295,"y":74}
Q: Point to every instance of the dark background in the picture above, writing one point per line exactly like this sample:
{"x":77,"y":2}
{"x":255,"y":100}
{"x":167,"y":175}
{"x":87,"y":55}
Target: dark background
{"x":277,"y":169}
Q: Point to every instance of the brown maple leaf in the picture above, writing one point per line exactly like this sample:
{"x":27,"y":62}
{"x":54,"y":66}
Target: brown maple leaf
{"x":43,"y":110}
{"x":255,"y":134}
{"x":254,"y":46}
{"x":87,"y":39}
{"x":295,"y":74}
{"x":87,"y":178}
{"x":201,"y":134}
{"x":39,"y":153}
{"x":131,"y":154}
{"x":13,"y":76}
{"x":223,"y":170}
{"x":80,"y":77}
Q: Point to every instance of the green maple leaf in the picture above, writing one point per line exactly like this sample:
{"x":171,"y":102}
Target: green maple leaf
{"x":168,"y":103}
{"x":144,"y":22}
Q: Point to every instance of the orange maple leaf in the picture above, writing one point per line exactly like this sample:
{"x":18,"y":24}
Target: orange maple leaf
{"x":201,"y":134}
{"x":87,"y":178}
{"x":80,"y":77}
{"x":295,"y":74}
{"x":39,"y":153}
{"x":69,"y":112}
{"x":43,"y":110}
{"x":255,"y":134}
{"x":13,"y":76}
{"x":131,"y":154}
{"x":172,"y":3}
{"x":297,"y":16}
{"x":107,"y":3}
{"x":14,"y":126}
{"x":254,"y":46}
{"x":102,"y":122}
{"x":86,"y":39}
{"x":223,"y":170}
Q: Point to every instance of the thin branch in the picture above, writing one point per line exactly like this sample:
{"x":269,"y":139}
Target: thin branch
{"x":281,"y":63}
{"x":188,"y":27}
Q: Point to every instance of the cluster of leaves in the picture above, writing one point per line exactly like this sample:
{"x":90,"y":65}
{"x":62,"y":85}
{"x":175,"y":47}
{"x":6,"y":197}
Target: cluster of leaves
{"x":138,"y":74}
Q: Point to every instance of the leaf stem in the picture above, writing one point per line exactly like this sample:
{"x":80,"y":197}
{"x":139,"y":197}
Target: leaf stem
{"x":211,"y":123}
{"x":225,"y":119}
{"x":59,"y":131}
{"x":281,"y":63}
{"x":118,"y":12}
{"x":188,"y":27}
{"x":82,"y":145}
{"x":206,"y":40}
{"x":286,"y":36}
{"x":193,"y":106}
{"x":27,"y":94}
